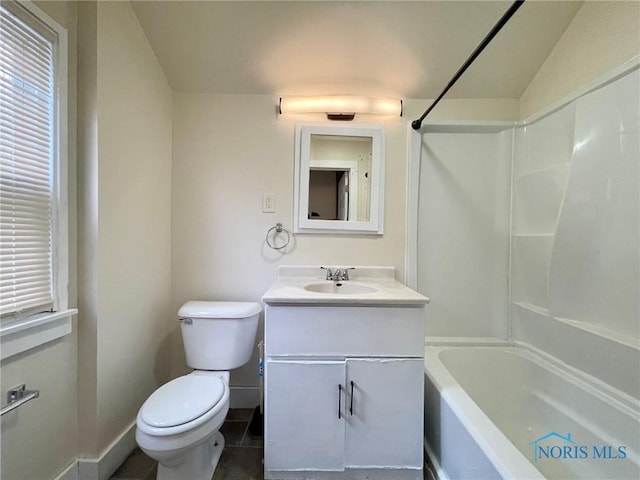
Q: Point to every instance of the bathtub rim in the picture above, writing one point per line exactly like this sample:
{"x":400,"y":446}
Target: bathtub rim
{"x":603,"y":390}
{"x":499,"y":450}
{"x":508,"y":461}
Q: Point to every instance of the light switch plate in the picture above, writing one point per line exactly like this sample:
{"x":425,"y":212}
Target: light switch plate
{"x":268,"y":202}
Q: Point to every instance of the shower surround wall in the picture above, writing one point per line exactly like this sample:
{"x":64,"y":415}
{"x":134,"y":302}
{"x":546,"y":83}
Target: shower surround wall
{"x":463,"y":231}
{"x":575,"y":242}
{"x":572,"y":287}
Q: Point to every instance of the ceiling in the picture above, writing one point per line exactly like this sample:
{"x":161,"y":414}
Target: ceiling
{"x":409,"y":49}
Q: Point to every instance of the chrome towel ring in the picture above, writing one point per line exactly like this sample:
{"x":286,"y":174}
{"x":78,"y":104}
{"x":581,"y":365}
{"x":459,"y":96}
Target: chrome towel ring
{"x":276,"y":230}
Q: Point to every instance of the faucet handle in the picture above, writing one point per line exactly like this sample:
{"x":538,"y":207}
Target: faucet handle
{"x":345,"y":272}
{"x":330,"y":274}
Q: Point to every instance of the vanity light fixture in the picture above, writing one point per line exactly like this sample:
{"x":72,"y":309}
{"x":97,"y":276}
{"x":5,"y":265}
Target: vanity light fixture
{"x":340,"y":107}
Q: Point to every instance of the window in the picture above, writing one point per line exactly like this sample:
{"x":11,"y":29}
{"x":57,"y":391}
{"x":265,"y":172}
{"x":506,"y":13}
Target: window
{"x":33,"y":216}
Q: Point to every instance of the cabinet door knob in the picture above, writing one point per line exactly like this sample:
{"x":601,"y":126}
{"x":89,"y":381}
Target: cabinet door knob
{"x":339,"y":401}
{"x":351,"y":402}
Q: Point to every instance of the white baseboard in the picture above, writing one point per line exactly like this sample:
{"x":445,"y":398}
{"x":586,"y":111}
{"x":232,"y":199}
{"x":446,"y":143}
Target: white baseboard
{"x":102,"y":468}
{"x":69,"y":473}
{"x":244,"y":397}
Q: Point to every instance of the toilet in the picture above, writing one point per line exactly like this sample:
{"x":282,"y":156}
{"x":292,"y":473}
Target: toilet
{"x":178,"y":424}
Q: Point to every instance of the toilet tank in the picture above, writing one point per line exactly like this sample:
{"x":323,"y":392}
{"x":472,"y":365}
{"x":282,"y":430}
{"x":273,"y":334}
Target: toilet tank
{"x":218,"y":335}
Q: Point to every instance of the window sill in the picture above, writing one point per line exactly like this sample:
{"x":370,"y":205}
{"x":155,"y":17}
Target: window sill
{"x":18,"y":336}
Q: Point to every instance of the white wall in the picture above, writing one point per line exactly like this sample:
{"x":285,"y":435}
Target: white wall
{"x":31,"y":446}
{"x":602,"y":35}
{"x":464,"y":109}
{"x":87,"y":223}
{"x":463,"y":225}
{"x":227,"y":151}
{"x":126,"y":234}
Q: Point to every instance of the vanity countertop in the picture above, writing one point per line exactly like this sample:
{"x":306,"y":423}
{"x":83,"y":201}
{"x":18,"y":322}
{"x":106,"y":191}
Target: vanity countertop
{"x":290,"y":288}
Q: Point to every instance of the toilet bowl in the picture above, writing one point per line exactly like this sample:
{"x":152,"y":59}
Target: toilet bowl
{"x":178,"y":425}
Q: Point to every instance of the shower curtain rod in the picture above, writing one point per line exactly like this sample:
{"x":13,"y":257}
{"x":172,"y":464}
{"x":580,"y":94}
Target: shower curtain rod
{"x":416,"y":124}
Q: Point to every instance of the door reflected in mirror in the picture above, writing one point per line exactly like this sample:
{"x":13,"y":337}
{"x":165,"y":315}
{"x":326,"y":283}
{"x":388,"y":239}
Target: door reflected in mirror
{"x":339,"y":179}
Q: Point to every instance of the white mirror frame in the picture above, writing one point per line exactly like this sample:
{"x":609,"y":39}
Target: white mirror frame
{"x":301,"y":222}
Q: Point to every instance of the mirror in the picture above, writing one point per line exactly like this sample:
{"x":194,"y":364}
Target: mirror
{"x":339,"y":173}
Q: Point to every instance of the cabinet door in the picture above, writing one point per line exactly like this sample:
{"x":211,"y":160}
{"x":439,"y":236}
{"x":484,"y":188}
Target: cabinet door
{"x":384,"y":427}
{"x":303,"y":431}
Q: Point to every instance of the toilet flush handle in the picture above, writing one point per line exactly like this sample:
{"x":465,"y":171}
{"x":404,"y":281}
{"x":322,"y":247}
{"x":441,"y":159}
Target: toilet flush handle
{"x":186,"y":321}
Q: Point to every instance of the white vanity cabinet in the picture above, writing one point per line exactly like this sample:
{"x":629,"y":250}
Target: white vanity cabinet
{"x":344,"y":392}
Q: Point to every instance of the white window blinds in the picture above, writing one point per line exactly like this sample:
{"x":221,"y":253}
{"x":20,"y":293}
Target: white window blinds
{"x":27,"y":125}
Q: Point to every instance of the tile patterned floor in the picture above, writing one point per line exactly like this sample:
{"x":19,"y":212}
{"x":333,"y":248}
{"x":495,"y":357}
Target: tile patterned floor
{"x":241,"y":458}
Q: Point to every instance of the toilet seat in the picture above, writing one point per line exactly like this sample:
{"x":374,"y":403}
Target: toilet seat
{"x":183,"y":404}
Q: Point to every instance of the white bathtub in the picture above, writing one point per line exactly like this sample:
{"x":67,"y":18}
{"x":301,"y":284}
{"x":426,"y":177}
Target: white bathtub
{"x":486,"y":406}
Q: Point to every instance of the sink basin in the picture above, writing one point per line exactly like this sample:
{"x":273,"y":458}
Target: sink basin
{"x":339,"y":288}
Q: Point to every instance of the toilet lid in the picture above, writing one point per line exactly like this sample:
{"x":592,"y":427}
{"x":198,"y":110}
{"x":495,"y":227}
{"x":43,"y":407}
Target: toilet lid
{"x":182,"y":400}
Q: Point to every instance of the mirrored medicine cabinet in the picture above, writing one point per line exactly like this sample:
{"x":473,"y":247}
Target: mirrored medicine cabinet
{"x":339,"y":179}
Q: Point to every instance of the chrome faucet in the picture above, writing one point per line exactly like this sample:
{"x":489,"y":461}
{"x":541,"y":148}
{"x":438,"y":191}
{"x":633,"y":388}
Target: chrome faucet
{"x":338,"y":275}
